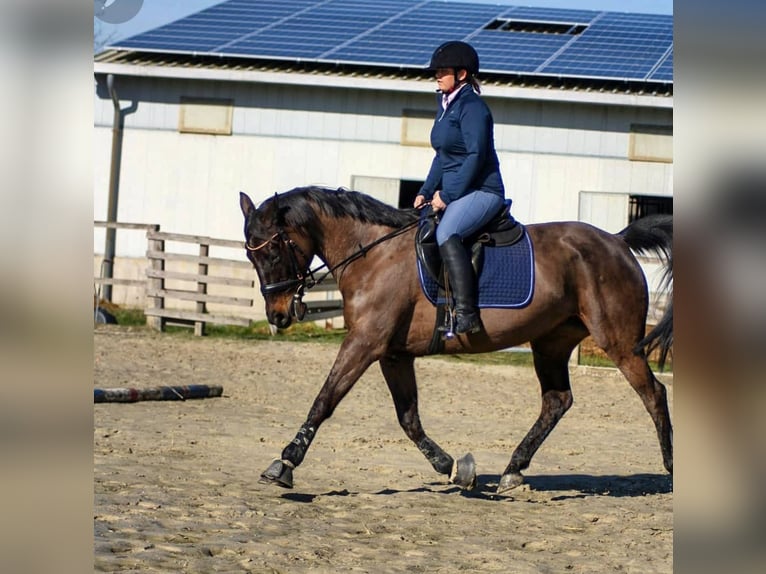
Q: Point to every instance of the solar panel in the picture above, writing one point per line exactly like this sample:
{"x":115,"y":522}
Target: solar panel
{"x":403,"y":33}
{"x":316,"y":32}
{"x":519,"y":51}
{"x":551,"y":14}
{"x":664,"y":71}
{"x":413,"y":35}
{"x":619,"y":46}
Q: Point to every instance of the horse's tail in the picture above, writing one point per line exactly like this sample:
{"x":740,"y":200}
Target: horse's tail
{"x":654,"y":234}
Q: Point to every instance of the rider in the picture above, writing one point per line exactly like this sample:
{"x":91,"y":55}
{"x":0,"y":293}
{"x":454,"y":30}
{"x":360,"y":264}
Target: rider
{"x":464,"y":181}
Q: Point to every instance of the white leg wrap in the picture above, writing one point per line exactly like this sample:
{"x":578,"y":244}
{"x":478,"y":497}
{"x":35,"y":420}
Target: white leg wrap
{"x":453,"y":473}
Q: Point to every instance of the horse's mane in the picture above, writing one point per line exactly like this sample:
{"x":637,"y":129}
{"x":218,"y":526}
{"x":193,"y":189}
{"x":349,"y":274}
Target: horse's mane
{"x":299,"y":206}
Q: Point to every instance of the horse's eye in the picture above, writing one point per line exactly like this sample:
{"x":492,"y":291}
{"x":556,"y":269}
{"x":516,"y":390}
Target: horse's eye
{"x":275,"y":256}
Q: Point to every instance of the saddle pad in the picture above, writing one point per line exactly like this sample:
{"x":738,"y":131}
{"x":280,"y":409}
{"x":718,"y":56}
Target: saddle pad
{"x":507,"y":278}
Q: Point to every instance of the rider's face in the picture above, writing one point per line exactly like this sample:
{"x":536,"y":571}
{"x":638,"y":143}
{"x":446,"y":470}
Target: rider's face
{"x":445,"y":79}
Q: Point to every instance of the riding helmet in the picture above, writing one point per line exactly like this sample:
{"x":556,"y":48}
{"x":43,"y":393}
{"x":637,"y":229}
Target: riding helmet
{"x":455,"y":54}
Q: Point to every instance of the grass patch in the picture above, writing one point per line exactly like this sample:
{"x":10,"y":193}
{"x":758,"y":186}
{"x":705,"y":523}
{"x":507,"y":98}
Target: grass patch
{"x":592,"y":360}
{"x":128,"y":317}
{"x":259,"y":330}
{"x":297,"y":332}
{"x":524,"y":359}
{"x":600,"y":360}
{"x":595,"y":361}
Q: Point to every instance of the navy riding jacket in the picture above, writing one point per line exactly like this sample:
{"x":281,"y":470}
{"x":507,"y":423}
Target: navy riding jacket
{"x":465,"y":160}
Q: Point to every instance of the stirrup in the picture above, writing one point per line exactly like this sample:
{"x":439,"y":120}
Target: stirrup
{"x":447,"y":329}
{"x":467,"y":322}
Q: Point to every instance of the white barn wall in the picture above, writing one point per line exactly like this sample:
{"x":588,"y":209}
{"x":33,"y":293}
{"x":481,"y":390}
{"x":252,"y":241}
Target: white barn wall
{"x":288,"y":136}
{"x":161,"y":166}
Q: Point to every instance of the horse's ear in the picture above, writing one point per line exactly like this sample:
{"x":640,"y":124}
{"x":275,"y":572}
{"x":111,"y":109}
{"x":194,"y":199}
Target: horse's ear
{"x":280,"y":211}
{"x":246,"y":204}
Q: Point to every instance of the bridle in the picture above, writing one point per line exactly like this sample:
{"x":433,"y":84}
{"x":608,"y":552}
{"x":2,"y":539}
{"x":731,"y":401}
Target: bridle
{"x":298,"y":282}
{"x":304,"y":279}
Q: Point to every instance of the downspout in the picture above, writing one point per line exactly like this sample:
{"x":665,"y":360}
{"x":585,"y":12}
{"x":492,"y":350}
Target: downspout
{"x":114,"y":187}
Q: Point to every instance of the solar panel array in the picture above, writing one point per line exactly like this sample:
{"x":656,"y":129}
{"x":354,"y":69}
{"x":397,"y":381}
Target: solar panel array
{"x":404,"y":33}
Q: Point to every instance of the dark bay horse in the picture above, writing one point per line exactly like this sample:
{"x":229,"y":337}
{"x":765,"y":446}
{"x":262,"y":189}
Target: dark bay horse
{"x":587,"y":281}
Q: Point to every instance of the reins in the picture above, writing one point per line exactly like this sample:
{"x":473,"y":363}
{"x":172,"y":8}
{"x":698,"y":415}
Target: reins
{"x":361,"y":252}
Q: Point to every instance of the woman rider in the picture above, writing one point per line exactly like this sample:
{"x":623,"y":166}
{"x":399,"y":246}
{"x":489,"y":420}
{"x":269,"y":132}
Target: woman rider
{"x":464,"y":182}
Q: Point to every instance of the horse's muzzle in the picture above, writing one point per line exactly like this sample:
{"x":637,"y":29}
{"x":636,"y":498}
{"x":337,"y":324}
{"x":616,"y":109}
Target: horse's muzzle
{"x":280,"y":319}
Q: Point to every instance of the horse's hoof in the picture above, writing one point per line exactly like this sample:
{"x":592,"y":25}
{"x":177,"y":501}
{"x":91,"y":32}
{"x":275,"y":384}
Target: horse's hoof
{"x":464,"y":472}
{"x":279,"y":473}
{"x":509,"y":482}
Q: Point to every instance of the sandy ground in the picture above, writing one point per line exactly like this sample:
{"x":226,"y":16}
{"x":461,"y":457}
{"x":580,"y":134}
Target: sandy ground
{"x":176,"y":483}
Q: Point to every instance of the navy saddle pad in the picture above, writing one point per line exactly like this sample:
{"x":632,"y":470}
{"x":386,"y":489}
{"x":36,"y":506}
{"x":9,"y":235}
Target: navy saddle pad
{"x":507,"y":278}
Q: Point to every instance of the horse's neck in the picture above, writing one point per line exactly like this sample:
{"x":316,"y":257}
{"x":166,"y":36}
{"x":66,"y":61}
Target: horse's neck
{"x":342,"y":241}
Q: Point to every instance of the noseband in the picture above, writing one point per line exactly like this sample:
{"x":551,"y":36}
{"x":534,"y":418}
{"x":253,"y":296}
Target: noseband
{"x":298,"y":283}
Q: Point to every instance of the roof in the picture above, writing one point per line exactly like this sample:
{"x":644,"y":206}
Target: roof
{"x":539,"y":46}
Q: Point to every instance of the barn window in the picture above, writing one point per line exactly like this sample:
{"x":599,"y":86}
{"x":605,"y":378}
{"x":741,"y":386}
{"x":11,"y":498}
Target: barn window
{"x":651,"y":143}
{"x":416,"y":127}
{"x":642,"y":205}
{"x":408,"y":190}
{"x":505,"y":25}
{"x":205,"y":116}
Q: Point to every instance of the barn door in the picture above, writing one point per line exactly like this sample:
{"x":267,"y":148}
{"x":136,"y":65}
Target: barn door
{"x":608,"y":211}
{"x":383,"y":188}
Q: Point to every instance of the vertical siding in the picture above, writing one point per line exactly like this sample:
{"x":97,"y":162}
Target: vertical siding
{"x":604,"y":210}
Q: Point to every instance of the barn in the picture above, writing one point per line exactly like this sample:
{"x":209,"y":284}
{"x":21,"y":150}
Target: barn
{"x":265,"y":96}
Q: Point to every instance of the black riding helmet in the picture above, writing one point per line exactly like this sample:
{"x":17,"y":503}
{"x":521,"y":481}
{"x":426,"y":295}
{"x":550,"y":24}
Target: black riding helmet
{"x":455,"y":54}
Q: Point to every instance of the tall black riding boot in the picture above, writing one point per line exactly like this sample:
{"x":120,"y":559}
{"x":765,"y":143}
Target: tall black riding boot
{"x":462,"y":279}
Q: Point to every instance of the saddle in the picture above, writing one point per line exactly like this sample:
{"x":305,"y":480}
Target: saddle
{"x":502,"y":230}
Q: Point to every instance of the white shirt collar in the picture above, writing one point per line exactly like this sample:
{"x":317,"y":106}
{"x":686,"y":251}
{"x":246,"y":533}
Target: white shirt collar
{"x":448,"y":98}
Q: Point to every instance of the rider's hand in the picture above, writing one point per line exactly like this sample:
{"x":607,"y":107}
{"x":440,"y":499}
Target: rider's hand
{"x":437,"y":203}
{"x":419,"y":201}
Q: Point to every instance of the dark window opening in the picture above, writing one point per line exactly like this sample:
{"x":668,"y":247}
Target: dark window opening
{"x":408,"y":189}
{"x":652,"y":129}
{"x":535,"y":27}
{"x":643,"y":205}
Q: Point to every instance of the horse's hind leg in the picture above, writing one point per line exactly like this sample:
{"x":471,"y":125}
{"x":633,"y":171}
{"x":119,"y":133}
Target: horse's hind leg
{"x":654,"y":396}
{"x":399,"y":372}
{"x":551,"y":358}
{"x":616,"y":318}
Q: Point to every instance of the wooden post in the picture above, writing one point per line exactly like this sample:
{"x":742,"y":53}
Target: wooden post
{"x":199,"y":326}
{"x":574,"y":358}
{"x":155,"y":283}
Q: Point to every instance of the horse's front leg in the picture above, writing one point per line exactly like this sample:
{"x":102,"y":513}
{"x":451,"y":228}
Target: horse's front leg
{"x":352,"y":361}
{"x":399,"y":372}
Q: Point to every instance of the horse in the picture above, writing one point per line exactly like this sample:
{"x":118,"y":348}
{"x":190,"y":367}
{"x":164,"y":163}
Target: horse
{"x":587,"y":282}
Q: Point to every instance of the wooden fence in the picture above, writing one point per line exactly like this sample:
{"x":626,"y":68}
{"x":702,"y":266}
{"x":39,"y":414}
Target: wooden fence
{"x":193,"y":286}
{"x":99,"y":280}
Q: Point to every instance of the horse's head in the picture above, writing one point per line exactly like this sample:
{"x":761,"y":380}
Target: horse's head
{"x":281,"y":257}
